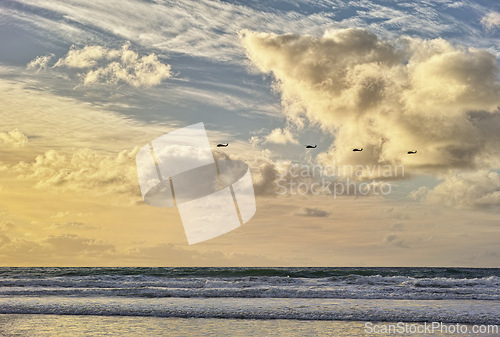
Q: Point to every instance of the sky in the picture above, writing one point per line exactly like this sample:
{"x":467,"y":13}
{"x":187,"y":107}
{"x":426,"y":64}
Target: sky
{"x":86,"y":84}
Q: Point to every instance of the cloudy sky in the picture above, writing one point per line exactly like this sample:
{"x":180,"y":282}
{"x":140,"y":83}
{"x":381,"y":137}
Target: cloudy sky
{"x":85,"y":85}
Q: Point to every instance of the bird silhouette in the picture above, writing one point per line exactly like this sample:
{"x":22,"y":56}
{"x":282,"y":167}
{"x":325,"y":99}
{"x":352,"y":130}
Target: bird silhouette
{"x":412,"y":152}
{"x":357,"y":150}
{"x":311,"y":147}
{"x":222,"y":145}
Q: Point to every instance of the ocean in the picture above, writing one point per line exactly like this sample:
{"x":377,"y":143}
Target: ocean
{"x":247,"y":301}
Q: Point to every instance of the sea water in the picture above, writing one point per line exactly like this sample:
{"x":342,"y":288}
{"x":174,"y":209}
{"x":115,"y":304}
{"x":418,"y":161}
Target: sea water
{"x":246,"y":301}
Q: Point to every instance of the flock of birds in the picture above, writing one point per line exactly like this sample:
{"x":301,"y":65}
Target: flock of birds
{"x":315,"y":146}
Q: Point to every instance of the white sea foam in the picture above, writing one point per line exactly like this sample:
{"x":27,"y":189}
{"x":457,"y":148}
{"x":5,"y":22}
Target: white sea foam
{"x":456,"y":311}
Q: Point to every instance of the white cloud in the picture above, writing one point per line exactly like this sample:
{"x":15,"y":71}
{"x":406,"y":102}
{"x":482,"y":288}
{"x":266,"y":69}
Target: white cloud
{"x":86,"y":57}
{"x":281,"y":136}
{"x":40,"y":62}
{"x":387,"y":97}
{"x":14,"y":138}
{"x":104,"y":65}
{"x":491,"y":20}
{"x":212,"y":34}
{"x":480,"y":189}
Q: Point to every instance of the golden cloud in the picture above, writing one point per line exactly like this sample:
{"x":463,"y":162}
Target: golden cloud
{"x":466,"y":190}
{"x":82,"y":171}
{"x":14,"y":138}
{"x":281,"y":136}
{"x":387,"y":97}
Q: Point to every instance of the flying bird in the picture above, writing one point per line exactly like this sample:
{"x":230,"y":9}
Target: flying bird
{"x":311,"y":147}
{"x":357,"y":150}
{"x":222,"y":145}
{"x":412,"y":152}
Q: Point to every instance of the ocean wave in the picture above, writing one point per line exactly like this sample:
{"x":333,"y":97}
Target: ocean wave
{"x":350,"y":286}
{"x":465,"y":312}
{"x":401,"y":289}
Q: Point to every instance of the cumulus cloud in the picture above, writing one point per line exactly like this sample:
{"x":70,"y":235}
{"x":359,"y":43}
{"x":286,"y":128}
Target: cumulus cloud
{"x":92,"y":172}
{"x":480,"y":189}
{"x":14,"y":138}
{"x":82,"y":171}
{"x":312,"y":212}
{"x":387,"y":97}
{"x":40,"y":62}
{"x":264,"y":170}
{"x":104,"y":65}
{"x":265,"y":182}
{"x":491,"y":20}
{"x":86,"y":57}
{"x":281,"y":136}
{"x":284,"y":178}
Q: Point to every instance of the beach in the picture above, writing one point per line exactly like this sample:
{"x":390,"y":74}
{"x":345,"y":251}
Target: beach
{"x":56,"y":325}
